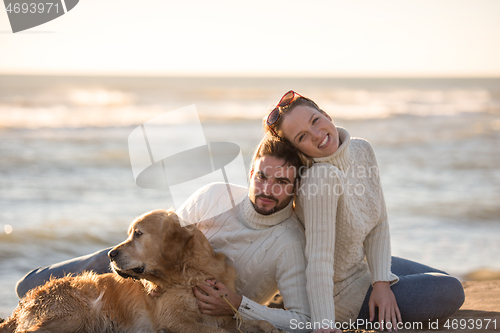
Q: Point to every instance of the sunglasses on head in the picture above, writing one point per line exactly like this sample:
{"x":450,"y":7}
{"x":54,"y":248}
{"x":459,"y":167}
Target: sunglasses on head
{"x":275,"y":114}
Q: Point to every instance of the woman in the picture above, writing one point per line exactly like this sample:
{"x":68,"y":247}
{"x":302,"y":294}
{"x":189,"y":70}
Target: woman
{"x":342,"y":207}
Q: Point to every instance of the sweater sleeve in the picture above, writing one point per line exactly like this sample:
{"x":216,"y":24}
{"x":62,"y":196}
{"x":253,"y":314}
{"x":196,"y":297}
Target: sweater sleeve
{"x":319,"y":196}
{"x":290,"y":276}
{"x":377,"y":243}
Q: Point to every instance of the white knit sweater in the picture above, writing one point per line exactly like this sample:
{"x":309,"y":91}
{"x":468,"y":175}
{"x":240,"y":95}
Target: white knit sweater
{"x":342,"y":207}
{"x":266,"y":250}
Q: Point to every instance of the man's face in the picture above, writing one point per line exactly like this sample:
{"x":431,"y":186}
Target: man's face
{"x":271,"y":185}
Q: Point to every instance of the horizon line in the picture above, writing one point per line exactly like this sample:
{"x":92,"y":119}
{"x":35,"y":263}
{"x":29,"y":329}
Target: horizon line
{"x":259,"y":76}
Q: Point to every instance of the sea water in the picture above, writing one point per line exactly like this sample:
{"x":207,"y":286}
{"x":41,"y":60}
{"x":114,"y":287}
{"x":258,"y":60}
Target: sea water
{"x":67,"y":186}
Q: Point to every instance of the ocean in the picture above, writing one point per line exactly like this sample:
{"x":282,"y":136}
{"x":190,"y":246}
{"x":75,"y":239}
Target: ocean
{"x":67,"y":185}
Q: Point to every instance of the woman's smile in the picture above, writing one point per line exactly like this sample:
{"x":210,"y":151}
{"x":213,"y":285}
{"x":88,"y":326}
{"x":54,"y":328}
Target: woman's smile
{"x":325,"y":141}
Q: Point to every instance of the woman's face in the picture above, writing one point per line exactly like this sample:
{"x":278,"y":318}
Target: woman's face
{"x":310,"y":131}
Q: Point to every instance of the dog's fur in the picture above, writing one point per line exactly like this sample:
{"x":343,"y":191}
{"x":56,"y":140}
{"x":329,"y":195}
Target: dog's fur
{"x":164,"y":260}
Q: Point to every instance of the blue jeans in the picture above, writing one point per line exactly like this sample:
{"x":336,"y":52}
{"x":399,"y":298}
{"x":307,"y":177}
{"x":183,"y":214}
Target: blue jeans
{"x":423,"y":293}
{"x":97,"y":262}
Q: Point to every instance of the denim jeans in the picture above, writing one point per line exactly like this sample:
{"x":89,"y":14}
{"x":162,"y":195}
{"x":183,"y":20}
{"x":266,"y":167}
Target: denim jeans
{"x":423,"y":293}
{"x":97,"y":262}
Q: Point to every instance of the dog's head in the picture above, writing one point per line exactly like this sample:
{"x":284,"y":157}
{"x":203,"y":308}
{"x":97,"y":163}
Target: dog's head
{"x":156,"y":245}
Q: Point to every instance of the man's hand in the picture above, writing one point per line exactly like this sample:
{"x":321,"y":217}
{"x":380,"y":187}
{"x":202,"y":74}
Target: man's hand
{"x":383,"y":298}
{"x":210,"y":299}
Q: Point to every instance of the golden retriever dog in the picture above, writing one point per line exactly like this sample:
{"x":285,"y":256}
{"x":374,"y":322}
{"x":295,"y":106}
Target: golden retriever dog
{"x":164,"y":261}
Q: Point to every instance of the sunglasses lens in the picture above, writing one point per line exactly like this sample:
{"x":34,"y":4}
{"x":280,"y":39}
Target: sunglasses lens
{"x":287,"y":98}
{"x":273,"y":116}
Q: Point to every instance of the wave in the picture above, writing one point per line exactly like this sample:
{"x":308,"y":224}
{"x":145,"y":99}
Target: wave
{"x":54,"y":239}
{"x":110,"y":102}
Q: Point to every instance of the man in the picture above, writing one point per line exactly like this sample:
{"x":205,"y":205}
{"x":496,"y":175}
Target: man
{"x":255,"y":228}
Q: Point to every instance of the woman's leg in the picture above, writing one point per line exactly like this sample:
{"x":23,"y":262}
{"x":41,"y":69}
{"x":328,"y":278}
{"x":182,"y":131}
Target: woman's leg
{"x":400,"y":266}
{"x":422,"y":292}
{"x":97,"y":262}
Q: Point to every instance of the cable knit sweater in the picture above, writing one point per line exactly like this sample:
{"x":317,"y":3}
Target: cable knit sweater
{"x":342,"y":207}
{"x":266,"y":250}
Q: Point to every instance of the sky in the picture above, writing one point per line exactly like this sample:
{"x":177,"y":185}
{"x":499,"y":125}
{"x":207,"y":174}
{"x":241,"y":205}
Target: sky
{"x":317,"y":38}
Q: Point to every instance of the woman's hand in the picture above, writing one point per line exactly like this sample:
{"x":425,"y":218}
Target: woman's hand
{"x":210,"y":298}
{"x":383,"y":298}
{"x":328,"y":330}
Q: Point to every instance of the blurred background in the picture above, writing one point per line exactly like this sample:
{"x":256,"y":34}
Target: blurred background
{"x":419,"y":79}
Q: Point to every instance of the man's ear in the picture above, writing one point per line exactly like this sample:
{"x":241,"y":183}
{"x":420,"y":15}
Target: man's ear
{"x":296,"y":186}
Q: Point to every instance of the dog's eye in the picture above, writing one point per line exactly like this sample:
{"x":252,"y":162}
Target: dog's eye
{"x":137,"y":233}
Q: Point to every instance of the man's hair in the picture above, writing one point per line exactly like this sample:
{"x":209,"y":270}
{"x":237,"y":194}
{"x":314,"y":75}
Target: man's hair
{"x":277,"y":147}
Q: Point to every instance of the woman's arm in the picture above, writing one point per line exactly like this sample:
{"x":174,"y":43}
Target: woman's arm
{"x":319,"y":195}
{"x":377,"y":243}
{"x":377,"y":247}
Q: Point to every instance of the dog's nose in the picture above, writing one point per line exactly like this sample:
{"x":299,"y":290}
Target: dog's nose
{"x":112,"y":254}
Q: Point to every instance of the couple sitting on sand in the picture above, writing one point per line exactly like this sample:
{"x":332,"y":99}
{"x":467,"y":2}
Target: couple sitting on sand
{"x":307,"y":175}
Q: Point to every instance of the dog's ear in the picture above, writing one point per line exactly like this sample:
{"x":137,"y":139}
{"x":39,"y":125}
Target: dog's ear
{"x":176,"y":240}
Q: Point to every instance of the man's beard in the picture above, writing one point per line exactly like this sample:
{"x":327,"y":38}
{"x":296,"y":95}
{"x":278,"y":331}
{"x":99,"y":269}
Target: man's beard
{"x":279,"y":206}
